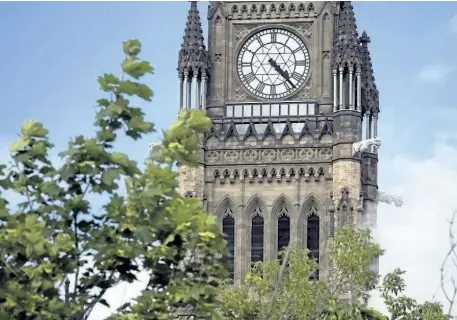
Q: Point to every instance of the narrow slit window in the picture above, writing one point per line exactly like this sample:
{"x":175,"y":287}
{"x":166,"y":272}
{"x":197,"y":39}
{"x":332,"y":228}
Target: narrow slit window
{"x":283,"y":231}
{"x":228,"y":228}
{"x":313,"y":240}
{"x":257,"y":239}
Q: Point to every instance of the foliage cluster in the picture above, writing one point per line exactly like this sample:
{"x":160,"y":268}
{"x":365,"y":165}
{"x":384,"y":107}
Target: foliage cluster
{"x":54,"y":235}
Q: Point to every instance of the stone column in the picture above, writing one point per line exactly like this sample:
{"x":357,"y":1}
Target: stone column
{"x":185,"y":90}
{"x":204,"y":88}
{"x":359,"y":90}
{"x":367,"y":129}
{"x":341,"y":88}
{"x":350,"y":88}
{"x":180,"y":95}
{"x":375,"y":125}
{"x":335,"y":90}
{"x":189,"y":92}
{"x":195,"y":92}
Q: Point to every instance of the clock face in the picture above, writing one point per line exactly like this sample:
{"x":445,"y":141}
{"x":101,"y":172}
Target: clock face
{"x":273,"y":63}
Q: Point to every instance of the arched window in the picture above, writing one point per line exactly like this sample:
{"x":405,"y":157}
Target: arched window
{"x":313,"y":237}
{"x":257,"y":236}
{"x":228,"y":228}
{"x":283,"y":230}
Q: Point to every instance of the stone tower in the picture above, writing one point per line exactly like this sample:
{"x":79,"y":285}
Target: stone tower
{"x":289,"y":87}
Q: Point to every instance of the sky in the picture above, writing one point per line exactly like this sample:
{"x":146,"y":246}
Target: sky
{"x":53,"y":52}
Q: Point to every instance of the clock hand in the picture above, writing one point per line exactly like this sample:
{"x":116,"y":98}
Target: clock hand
{"x":283,"y":73}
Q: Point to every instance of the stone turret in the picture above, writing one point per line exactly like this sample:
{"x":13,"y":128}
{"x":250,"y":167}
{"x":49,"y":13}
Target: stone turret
{"x":193,"y":71}
{"x":193,"y":63}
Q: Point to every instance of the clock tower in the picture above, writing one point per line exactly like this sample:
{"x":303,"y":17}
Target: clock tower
{"x":289,"y":87}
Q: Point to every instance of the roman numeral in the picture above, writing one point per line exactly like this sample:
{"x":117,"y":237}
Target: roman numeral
{"x":296,"y":76}
{"x":245,"y":64}
{"x":259,"y":40}
{"x":260,"y":87}
{"x":300,"y":62}
{"x":273,"y":36}
{"x":296,"y":50}
{"x":288,"y":87}
{"x":273,"y":90}
{"x":249,"y":77}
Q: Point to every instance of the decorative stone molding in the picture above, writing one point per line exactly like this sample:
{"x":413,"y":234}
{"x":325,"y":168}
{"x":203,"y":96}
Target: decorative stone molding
{"x":239,"y":95}
{"x":305,"y":93}
{"x":270,"y":155}
{"x":305,"y":29}
{"x":240,"y":32}
{"x":268,"y":175}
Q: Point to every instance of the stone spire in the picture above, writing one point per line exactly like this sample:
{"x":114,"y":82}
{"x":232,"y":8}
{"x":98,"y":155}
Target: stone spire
{"x":193,"y":57}
{"x":346,"y":48}
{"x":370,"y":93}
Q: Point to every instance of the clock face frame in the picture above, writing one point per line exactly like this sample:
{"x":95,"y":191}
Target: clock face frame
{"x":273,"y":63}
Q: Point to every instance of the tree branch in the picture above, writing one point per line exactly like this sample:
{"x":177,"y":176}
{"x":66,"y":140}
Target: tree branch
{"x":278,"y":283}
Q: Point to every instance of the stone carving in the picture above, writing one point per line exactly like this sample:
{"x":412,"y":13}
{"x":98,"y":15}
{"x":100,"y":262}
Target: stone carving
{"x":250,"y":155}
{"x":305,"y":93}
{"x":241,"y":32}
{"x":287,"y":154}
{"x":231,"y":155}
{"x":269,"y":155}
{"x":305,"y":29}
{"x":277,"y":172}
{"x":306,"y":154}
{"x":218,"y":57}
{"x":239,"y":95}
{"x":212,"y":156}
{"x":389,"y":199}
{"x":369,"y":145}
{"x":325,"y":153}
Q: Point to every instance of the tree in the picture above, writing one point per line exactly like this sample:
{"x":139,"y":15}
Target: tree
{"x":285,"y":292}
{"x":55,"y":235}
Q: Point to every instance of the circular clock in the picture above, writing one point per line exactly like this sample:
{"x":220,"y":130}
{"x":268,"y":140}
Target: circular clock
{"x":273,"y":63}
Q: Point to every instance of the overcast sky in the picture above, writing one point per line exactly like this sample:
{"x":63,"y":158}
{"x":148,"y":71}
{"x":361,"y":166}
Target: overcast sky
{"x":53,"y":52}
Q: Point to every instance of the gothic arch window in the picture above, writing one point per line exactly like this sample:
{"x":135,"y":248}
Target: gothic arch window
{"x":312,"y":242}
{"x":283,"y":229}
{"x":228,"y":228}
{"x":257,"y":236}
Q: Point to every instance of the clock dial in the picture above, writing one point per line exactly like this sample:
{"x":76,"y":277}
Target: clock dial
{"x":273,"y":63}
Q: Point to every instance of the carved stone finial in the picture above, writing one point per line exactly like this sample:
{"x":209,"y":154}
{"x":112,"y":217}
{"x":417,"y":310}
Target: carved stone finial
{"x":346,"y":48}
{"x":193,"y":56}
{"x":370,"y":93}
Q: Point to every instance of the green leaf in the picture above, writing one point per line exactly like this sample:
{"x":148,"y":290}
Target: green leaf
{"x":33,"y":128}
{"x":110,"y":175}
{"x":135,"y":68}
{"x":145,"y":92}
{"x":132,"y":47}
{"x":120,"y":158}
{"x":128,"y":87}
{"x":113,"y":110}
{"x":19,"y":144}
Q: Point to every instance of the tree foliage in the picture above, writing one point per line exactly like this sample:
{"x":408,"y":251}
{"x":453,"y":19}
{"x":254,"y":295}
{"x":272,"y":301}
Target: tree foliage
{"x":54,"y":234}
{"x":285,"y":292}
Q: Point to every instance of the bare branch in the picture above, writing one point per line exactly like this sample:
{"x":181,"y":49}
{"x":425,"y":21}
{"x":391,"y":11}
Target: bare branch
{"x":451,"y":255}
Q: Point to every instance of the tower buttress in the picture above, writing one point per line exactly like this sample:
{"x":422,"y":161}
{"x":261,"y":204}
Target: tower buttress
{"x":347,"y":119}
{"x":193,"y":72}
